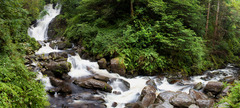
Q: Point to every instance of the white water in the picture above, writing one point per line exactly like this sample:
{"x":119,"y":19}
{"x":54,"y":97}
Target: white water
{"x":40,"y":34}
{"x":82,"y":68}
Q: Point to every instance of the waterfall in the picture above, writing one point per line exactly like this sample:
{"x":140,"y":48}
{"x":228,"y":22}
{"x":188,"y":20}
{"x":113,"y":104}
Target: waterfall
{"x":79,"y":69}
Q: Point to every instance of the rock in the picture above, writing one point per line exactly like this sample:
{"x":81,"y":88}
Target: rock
{"x":56,"y":82}
{"x":94,"y":84}
{"x":102,"y":78}
{"x":61,"y":45}
{"x":58,"y":67}
{"x":167,"y":95}
{"x":162,"y":105}
{"x":58,"y":55}
{"x":193,"y":106}
{"x":53,"y":90}
{"x":66,"y":76}
{"x":182,"y":100}
{"x":122,"y":84}
{"x":213,"y":87}
{"x":197,"y":95}
{"x":147,"y":90}
{"x":134,"y":105}
{"x":114,"y":104}
{"x":205,"y":103}
{"x":229,"y":79}
{"x":117,"y":66}
{"x":224,"y":92}
{"x":223,"y":105}
{"x":198,"y":86}
{"x":148,"y":99}
{"x":152,"y":83}
{"x":102,"y":63}
{"x":66,"y":89}
{"x":89,"y":97}
{"x":117,"y":92}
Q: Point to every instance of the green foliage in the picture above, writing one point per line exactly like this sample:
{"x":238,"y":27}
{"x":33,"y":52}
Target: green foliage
{"x":18,"y":88}
{"x":233,"y":98}
{"x":162,"y":35}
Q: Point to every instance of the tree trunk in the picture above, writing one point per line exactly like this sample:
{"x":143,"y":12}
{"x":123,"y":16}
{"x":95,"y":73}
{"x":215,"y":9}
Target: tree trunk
{"x":216,"y":23}
{"x":132,"y":11}
{"x":208,"y":13}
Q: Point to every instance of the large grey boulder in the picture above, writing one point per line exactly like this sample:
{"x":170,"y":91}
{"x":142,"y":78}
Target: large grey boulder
{"x":102,"y":63}
{"x":94,"y":84}
{"x":197,"y":95}
{"x":167,"y":95}
{"x":182,"y":100}
{"x":147,"y":90}
{"x":213,"y":87}
{"x":205,"y":103}
{"x":59,"y":67}
{"x":148,"y":99}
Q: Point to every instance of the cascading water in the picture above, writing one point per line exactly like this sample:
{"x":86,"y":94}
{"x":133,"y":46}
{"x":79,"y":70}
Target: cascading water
{"x":80,"y":69}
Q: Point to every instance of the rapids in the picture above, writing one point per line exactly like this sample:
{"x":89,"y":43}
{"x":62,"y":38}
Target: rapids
{"x":79,"y":69}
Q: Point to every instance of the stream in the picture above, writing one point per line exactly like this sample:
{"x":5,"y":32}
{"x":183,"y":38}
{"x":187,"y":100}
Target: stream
{"x":119,"y":94}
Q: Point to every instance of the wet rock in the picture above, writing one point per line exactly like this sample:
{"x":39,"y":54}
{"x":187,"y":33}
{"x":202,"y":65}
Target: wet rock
{"x":124,"y":85}
{"x":94,"y":84}
{"x":152,"y":83}
{"x":134,"y":105}
{"x":58,"y":55}
{"x":56,"y":82}
{"x":65,"y":89}
{"x":229,"y":79}
{"x":182,"y":100}
{"x":53,"y":90}
{"x":102,"y":63}
{"x":147,"y":90}
{"x":165,"y":105}
{"x":66,"y":76}
{"x":114,"y":104}
{"x":197,"y":95}
{"x":102,"y":78}
{"x":58,"y":67}
{"x":61,"y":45}
{"x":213,"y":87}
{"x":117,"y":66}
{"x":193,"y":106}
{"x":89,"y":96}
{"x":198,"y":86}
{"x":148,"y":99}
{"x":224,"y":92}
{"x":167,"y":95}
{"x":117,"y":92}
{"x":223,"y":105}
{"x":205,"y":103}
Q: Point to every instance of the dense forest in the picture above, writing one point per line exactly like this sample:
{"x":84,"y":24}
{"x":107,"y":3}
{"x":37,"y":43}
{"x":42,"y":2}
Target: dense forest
{"x":150,"y":36}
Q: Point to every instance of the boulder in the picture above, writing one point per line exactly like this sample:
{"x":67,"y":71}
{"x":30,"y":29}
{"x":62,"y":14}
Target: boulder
{"x":94,"y":84}
{"x":161,"y":105}
{"x":114,"y":104}
{"x":117,"y":66}
{"x":102,"y":63}
{"x":58,"y":55}
{"x":224,"y":92}
{"x":102,"y":78}
{"x":197,"y":95}
{"x":193,"y":106}
{"x":56,"y":82}
{"x":182,"y":100}
{"x":61,"y":45}
{"x":147,"y":90}
{"x":148,"y":99}
{"x":167,"y":95}
{"x":58,"y":67}
{"x":152,"y":83}
{"x":213,"y":87}
{"x":66,"y":89}
{"x":205,"y":103}
{"x":134,"y":105}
